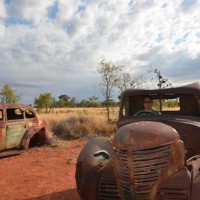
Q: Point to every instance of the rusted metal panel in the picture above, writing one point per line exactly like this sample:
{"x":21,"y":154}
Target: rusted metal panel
{"x":14,"y":134}
{"x":142,"y":133}
{"x":178,"y":186}
{"x":189,"y":134}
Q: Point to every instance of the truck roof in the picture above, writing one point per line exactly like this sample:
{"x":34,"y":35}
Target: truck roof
{"x":193,"y":88}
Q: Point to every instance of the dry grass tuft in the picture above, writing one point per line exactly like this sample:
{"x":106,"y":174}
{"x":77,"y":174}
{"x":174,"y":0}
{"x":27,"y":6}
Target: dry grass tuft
{"x":77,"y":123}
{"x":83,"y":126}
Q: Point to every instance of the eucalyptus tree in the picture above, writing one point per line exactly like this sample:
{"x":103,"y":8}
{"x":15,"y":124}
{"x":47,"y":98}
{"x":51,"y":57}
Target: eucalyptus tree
{"x":45,"y":101}
{"x":110,"y":76}
{"x":8,"y":95}
{"x":160,"y":81}
{"x":126,"y":80}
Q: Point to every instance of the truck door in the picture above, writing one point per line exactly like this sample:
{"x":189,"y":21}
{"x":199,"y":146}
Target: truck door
{"x":15,"y":128}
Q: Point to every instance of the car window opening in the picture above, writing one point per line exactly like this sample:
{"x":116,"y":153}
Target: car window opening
{"x":14,"y":113}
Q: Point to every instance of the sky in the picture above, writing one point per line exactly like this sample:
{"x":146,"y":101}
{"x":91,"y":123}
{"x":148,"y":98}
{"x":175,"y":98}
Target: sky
{"x":55,"y":46}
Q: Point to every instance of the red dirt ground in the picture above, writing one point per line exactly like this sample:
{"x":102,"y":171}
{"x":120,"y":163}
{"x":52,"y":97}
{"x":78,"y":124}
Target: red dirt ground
{"x":41,"y":173}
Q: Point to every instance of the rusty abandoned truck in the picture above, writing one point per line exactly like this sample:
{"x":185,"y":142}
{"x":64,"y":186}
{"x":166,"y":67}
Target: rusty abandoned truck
{"x":151,"y":157}
{"x":20,"y":126}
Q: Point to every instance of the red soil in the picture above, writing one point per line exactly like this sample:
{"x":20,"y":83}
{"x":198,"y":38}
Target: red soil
{"x":41,"y":173}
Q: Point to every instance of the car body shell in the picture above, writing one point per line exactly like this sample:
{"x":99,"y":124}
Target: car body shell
{"x":154,"y":157}
{"x":20,"y":125}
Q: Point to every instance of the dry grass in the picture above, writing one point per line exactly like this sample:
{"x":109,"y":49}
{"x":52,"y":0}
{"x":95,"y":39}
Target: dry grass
{"x":171,"y":109}
{"x":82,"y":126}
{"x":81,"y":122}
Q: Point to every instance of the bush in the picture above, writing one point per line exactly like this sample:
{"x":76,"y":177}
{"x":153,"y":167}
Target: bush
{"x":83,"y":126}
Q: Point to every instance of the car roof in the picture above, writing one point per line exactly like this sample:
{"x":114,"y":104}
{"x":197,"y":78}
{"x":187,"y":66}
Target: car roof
{"x":12,"y":105}
{"x":193,"y":88}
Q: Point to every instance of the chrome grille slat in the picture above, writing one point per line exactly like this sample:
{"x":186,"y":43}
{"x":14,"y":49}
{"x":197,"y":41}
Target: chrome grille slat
{"x":146,"y":171}
{"x":108,"y":191}
{"x":138,"y":173}
{"x":151,"y":168}
{"x":149,"y":162}
{"x":151,"y":150}
{"x":172,"y":194}
{"x":146,"y":175}
{"x":146,"y":158}
{"x":146,"y":180}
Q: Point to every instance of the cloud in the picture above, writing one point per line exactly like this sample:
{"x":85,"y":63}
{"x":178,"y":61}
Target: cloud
{"x":56,"y":45}
{"x":2,"y":10}
{"x":189,"y":6}
{"x":35,"y":11}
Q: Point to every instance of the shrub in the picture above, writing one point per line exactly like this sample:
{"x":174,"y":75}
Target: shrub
{"x":84,"y":125}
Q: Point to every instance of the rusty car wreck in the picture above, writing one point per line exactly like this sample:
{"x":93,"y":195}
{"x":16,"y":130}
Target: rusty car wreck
{"x":151,"y":157}
{"x":20,"y":126}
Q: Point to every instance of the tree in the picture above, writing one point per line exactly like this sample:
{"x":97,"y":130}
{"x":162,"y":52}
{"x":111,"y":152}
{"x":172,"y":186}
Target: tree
{"x":45,"y":101}
{"x":127,"y":81}
{"x":8,"y":95}
{"x":63,"y":100}
{"x":84,"y":103}
{"x":94,"y":101}
{"x":109,"y":78}
{"x":162,"y":82}
{"x":72,"y":102}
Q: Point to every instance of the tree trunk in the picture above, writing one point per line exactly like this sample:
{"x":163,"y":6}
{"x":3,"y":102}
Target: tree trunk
{"x":108,"y":108}
{"x":108,"y":112}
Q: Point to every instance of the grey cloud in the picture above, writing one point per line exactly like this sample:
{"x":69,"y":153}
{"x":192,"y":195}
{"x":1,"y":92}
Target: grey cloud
{"x":71,"y":27}
{"x":151,"y":54}
{"x":187,"y":6}
{"x":185,"y":68}
{"x":178,"y":67}
{"x":2,"y":10}
{"x":32,"y":10}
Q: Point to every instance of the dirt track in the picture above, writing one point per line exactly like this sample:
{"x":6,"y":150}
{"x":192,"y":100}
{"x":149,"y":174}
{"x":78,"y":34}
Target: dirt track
{"x":41,"y":173}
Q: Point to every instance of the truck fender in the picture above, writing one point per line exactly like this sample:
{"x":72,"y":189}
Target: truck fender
{"x":194,"y":165}
{"x":90,"y":164}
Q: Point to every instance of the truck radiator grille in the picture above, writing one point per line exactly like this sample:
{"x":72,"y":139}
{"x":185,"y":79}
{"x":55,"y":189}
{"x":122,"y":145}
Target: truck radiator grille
{"x":138,"y":170}
{"x":172,"y":194}
{"x":108,"y":191}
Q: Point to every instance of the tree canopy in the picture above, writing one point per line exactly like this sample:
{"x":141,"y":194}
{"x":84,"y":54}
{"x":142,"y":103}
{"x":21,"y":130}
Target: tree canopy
{"x":8,"y":95}
{"x":45,"y":101}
